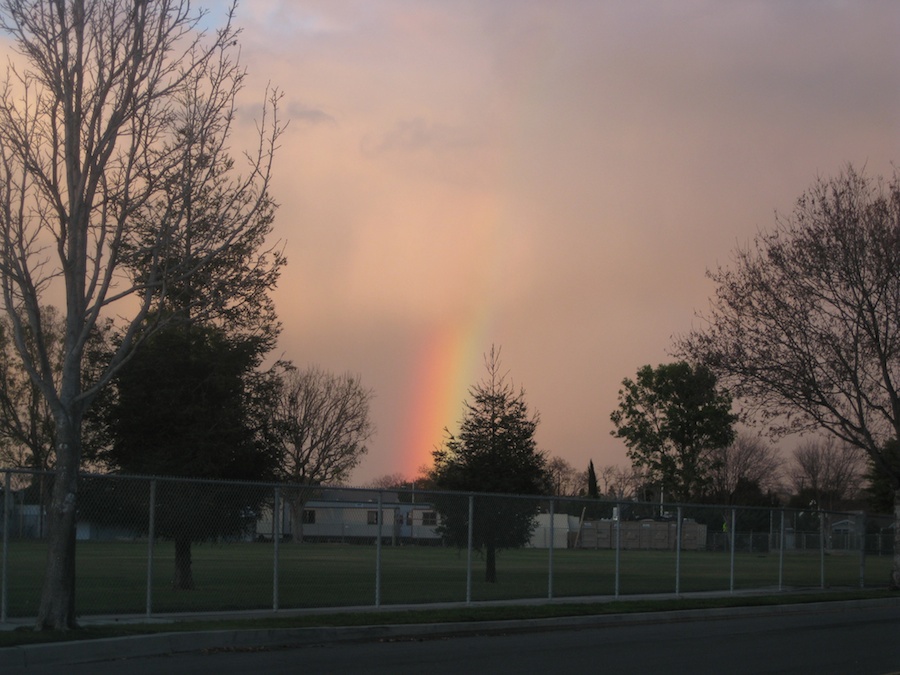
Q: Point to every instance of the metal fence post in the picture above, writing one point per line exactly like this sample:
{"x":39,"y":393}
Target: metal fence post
{"x":276,"y":537}
{"x":151,"y":535}
{"x":781,"y":554}
{"x":617,"y":522}
{"x":771,"y":542}
{"x":469,"y":550}
{"x":821,"y":549}
{"x":678,"y":554}
{"x":550,"y":561}
{"x":733,"y":538}
{"x":378,"y":554}
{"x":4,"y":582}
{"x":861,"y":533}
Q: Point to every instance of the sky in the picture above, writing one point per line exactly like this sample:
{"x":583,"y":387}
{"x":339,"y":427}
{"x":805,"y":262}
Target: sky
{"x":552,"y":178}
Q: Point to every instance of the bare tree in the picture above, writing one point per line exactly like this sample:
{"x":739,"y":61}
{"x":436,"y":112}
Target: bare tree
{"x":564,"y":478}
{"x":391,"y":481}
{"x":400,"y":480}
{"x":606,"y":477}
{"x":114,"y":125}
{"x":827,"y":471}
{"x":750,"y":458}
{"x":623,"y":483}
{"x":322,"y":423}
{"x":805,"y":325}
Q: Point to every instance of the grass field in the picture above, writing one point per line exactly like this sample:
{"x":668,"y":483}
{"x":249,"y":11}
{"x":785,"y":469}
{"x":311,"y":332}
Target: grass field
{"x":112,"y":576}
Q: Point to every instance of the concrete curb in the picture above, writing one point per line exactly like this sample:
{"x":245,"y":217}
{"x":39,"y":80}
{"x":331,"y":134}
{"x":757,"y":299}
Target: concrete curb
{"x":160,"y":644}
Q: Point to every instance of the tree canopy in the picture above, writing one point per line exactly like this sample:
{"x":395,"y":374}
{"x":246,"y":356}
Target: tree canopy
{"x":115,"y":120}
{"x":827,"y":472}
{"x":749,"y":461}
{"x":26,"y":423}
{"x":564,"y":478}
{"x":495,"y":452}
{"x":805,"y":323}
{"x":671,"y":418}
{"x":880,"y":492}
{"x":593,"y":490}
{"x":188,"y":405}
{"x":184,"y":408}
{"x":321,"y":426}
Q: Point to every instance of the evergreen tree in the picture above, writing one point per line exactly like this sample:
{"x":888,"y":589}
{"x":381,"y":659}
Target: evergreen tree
{"x":592,"y":490}
{"x":495,"y":452}
{"x":189,"y":404}
{"x":881,"y":493}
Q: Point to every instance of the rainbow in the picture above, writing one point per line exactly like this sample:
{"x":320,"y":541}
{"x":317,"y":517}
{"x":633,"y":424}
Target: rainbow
{"x":450,"y":359}
{"x":449,"y":355}
{"x":447,"y":365}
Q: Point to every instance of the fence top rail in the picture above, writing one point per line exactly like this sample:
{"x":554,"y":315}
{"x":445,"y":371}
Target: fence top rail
{"x":404,"y":496}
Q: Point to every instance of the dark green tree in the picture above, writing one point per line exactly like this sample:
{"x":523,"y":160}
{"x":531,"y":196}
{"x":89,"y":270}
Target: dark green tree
{"x":27,"y":429}
{"x":592,"y":490}
{"x":880,"y":490}
{"x":191,"y":404}
{"x":748,"y":492}
{"x":671,"y":417}
{"x":27,"y":432}
{"x":495,"y":453}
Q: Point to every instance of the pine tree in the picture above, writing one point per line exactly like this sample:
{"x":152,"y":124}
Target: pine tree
{"x":189,"y":404}
{"x":495,"y":452}
{"x":592,"y":490}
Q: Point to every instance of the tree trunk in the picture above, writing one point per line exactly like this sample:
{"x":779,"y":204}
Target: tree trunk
{"x":895,"y":568}
{"x":490,"y":564}
{"x":184,"y":575}
{"x":57,"y":608}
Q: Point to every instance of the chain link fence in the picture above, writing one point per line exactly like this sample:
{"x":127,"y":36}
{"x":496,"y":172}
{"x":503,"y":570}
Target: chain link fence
{"x":150,"y":546}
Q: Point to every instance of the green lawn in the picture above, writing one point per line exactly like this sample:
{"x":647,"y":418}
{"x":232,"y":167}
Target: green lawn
{"x":112,"y":575}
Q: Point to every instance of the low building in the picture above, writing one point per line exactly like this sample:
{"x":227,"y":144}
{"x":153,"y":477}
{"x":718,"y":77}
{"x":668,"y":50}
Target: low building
{"x":660,"y":535}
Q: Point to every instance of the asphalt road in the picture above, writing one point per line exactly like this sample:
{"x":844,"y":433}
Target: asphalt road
{"x":857,"y":641}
